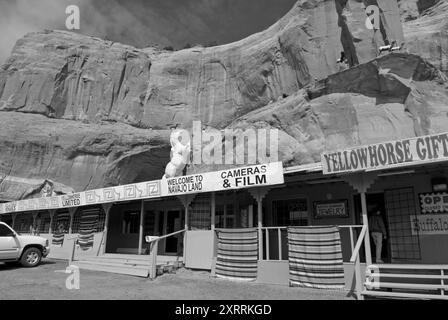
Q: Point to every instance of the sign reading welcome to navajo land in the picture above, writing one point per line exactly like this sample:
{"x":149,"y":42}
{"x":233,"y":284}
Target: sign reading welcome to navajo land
{"x":385,"y":155}
{"x":235,"y":178}
{"x":436,"y":202}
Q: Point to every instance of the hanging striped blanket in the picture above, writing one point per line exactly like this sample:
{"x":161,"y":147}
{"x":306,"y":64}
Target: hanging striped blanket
{"x":88,"y":227}
{"x":60,"y":227}
{"x":315,"y":257}
{"x":237,"y":254}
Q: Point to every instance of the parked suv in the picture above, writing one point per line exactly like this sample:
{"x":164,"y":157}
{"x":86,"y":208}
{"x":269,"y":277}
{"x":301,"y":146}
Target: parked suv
{"x":28,"y":250}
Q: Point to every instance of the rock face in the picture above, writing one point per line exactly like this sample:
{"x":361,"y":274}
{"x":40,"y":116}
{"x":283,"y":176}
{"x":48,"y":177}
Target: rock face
{"x":86,"y":113}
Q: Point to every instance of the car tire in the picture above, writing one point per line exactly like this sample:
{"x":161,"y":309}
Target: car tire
{"x":31,"y":257}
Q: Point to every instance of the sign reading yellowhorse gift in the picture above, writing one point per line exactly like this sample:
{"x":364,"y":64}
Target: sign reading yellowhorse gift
{"x":235,"y":178}
{"x":398,"y":153}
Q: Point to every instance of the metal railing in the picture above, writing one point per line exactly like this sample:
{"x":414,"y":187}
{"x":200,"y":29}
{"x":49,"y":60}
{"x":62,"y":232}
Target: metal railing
{"x":153,"y":248}
{"x":281,"y":241}
{"x":355,"y":258}
{"x":72,"y":253}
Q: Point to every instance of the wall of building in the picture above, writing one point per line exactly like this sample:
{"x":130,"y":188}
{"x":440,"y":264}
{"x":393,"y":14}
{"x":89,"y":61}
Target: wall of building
{"x":116,"y":239}
{"x":313,"y":193}
{"x":433,"y":248}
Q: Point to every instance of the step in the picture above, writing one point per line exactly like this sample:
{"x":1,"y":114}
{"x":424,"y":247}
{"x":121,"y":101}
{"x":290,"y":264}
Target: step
{"x":386,"y":294}
{"x":125,"y":263}
{"x":133,"y":271}
{"x":123,"y":266}
{"x":114,"y":260}
{"x":140,"y":257}
{"x":143,"y":262}
{"x":114,"y":263}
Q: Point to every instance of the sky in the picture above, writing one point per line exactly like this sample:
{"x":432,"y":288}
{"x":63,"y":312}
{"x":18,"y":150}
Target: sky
{"x":142,"y":23}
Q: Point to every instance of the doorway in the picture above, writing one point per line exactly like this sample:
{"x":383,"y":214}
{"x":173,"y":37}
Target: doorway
{"x":173,"y":223}
{"x":375,"y":201}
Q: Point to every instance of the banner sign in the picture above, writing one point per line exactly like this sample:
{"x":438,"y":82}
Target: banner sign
{"x":331,"y":209}
{"x":128,"y":192}
{"x":425,"y":149}
{"x":429,"y":224}
{"x":434,"y":202}
{"x":236,"y":178}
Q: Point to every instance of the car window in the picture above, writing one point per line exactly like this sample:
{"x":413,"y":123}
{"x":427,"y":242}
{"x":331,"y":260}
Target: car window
{"x":5,"y":231}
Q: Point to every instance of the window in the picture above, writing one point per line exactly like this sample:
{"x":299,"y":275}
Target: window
{"x":5,"y":231}
{"x":292,"y":212}
{"x":200,"y":213}
{"x":131,"y":222}
{"x":225,"y":216}
{"x":24,"y":223}
{"x":61,"y":222}
{"x":43,"y":222}
{"x":400,"y":206}
{"x":150,"y":221}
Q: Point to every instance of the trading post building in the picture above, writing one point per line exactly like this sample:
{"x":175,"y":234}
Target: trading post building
{"x":305,"y":225}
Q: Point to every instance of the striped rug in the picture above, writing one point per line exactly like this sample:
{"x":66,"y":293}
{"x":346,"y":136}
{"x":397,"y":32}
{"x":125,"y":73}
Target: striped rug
{"x":87,"y":227}
{"x":315,"y":257}
{"x":60,"y":227}
{"x":237,"y":254}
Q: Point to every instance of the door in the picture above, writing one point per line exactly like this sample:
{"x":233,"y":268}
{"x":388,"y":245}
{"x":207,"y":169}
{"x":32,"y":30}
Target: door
{"x":173,"y":224}
{"x":9,"y":247}
{"x":374,"y":201}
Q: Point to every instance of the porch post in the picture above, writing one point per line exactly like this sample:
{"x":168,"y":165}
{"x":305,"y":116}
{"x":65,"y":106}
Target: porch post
{"x":260,"y":225}
{"x":72,"y":212}
{"x":14,"y":215}
{"x":365,"y":221}
{"x":33,"y":227}
{"x":259,"y":194}
{"x":213,"y":211}
{"x":361,"y":182}
{"x":106,"y":208}
{"x":186,"y":201}
{"x":140,"y":236}
{"x":52,"y":212}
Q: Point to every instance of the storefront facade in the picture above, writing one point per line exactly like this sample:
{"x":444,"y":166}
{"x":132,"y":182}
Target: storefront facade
{"x":412,"y":198}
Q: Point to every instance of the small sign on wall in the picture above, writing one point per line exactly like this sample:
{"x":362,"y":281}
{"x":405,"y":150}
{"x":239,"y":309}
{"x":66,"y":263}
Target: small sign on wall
{"x":435,"y":202}
{"x":331,"y":209}
{"x":429,"y":224}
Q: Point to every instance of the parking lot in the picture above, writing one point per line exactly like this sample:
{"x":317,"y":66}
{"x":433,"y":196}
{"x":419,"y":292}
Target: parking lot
{"x":48,"y":281}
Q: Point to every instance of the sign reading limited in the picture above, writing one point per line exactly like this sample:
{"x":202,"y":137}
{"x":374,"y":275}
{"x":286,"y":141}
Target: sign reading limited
{"x":387,"y":155}
{"x":236,"y":178}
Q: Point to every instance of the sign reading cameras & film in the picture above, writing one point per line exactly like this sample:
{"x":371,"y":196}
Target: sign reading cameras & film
{"x":235,"y":178}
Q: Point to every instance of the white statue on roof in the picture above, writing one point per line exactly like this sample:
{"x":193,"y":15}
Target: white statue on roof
{"x":180,"y":153}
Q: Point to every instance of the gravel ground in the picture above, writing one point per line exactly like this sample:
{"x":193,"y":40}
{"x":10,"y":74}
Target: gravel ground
{"x":45,"y":282}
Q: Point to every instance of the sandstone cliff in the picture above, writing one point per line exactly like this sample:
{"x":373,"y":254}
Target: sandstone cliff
{"x":86,"y":113}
